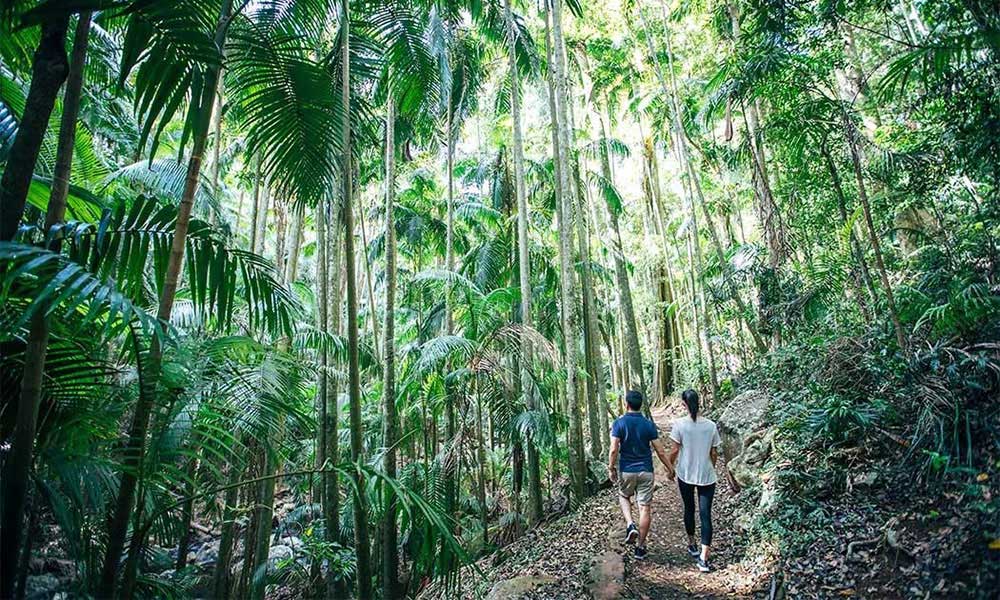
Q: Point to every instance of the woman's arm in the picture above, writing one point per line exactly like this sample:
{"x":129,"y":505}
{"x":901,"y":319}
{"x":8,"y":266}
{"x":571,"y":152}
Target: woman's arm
{"x":714,"y":455}
{"x":669,"y":459}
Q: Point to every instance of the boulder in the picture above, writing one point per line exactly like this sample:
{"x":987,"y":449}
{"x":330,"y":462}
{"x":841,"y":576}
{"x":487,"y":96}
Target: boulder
{"x":745,"y":413}
{"x":40,"y":586}
{"x":746,"y":441}
{"x":607,"y":576}
{"x":518,"y":587}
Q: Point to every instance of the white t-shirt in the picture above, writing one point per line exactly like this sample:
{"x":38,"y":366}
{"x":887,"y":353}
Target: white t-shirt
{"x":697,"y":438}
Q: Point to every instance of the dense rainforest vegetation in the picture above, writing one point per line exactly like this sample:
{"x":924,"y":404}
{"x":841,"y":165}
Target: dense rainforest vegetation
{"x":373,"y":276}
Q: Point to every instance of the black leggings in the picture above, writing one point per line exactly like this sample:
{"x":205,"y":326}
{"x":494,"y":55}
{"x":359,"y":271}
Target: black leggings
{"x":705,"y":495}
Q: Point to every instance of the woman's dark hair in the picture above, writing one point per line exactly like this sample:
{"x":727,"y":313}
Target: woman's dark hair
{"x":690,"y":398}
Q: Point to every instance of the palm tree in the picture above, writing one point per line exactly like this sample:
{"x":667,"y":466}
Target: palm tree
{"x":524,"y":258}
{"x":18,"y":464}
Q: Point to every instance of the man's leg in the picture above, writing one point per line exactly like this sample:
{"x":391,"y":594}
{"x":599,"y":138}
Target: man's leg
{"x":644,"y":498}
{"x":626,"y":505}
{"x":645,"y":520}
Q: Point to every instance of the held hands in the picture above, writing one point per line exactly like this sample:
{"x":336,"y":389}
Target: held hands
{"x":613,"y":474}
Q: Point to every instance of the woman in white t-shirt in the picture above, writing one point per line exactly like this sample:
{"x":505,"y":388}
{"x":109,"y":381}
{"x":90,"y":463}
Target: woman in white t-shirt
{"x":692,"y":457}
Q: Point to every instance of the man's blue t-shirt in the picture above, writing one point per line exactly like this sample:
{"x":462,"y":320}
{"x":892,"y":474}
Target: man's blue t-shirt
{"x":635,"y":432}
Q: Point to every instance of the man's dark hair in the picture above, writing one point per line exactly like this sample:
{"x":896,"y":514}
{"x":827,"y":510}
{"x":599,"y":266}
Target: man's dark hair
{"x":634,"y":399}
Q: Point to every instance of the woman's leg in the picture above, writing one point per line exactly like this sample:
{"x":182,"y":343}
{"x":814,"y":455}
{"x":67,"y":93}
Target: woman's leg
{"x":706,"y":493}
{"x":687,"y":497}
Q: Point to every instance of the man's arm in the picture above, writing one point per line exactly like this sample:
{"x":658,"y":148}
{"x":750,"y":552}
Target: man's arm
{"x":668,"y":459}
{"x":613,"y":459}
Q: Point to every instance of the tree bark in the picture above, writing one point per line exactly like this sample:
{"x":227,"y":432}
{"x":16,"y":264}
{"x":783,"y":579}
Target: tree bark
{"x":566,"y":258}
{"x":49,"y":69}
{"x":17,"y":467}
{"x":135,"y":445}
{"x":362,"y":543}
{"x":390,"y":549}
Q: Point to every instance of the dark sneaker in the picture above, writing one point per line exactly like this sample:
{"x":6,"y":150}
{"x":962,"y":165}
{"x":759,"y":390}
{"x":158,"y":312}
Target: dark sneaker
{"x":693,"y":551}
{"x":640,"y":553}
{"x":703,"y":566}
{"x":631,"y":534}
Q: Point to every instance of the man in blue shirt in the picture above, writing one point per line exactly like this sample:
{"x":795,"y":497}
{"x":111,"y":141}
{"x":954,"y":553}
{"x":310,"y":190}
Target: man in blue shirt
{"x":630,"y":465}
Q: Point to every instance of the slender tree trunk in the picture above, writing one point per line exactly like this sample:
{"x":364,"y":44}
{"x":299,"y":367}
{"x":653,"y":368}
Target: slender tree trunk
{"x":222,"y":578}
{"x":369,"y":278}
{"x":48,"y":71}
{"x":216,"y":150}
{"x":851,"y":133}
{"x":623,"y":287}
{"x":362,"y":544}
{"x":255,"y":211}
{"x":187,"y":514}
{"x":524,"y":264}
{"x":390,"y":549}
{"x":281,"y":233}
{"x":566,"y":257}
{"x":481,"y":459}
{"x":859,"y":272}
{"x":135,"y":447}
{"x":323,"y":265}
{"x":591,"y":352}
{"x":292,"y":265}
{"x":18,"y":463}
{"x":265,"y":205}
{"x":331,"y":499}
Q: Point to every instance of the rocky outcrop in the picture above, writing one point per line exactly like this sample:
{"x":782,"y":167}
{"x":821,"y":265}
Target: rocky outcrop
{"x":747,"y":440}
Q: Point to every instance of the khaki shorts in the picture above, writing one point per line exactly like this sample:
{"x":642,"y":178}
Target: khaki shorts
{"x":639,"y":485}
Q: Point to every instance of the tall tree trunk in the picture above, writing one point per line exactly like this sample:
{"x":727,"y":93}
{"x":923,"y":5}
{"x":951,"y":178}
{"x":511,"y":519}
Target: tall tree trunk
{"x":255,"y":210}
{"x":187,"y":514}
{"x":859,"y":271}
{"x":390,"y":549}
{"x":851,"y":133}
{"x":222,"y":578}
{"x":18,"y":463}
{"x":524,"y":264}
{"x":369,"y":278}
{"x":48,"y":71}
{"x":216,"y":150}
{"x":331,"y":489}
{"x":481,"y":479}
{"x":135,"y":446}
{"x":281,"y":232}
{"x":623,"y":287}
{"x":322,"y":322}
{"x":265,"y":205}
{"x":566,"y":258}
{"x":292,"y":265}
{"x":362,"y":544}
